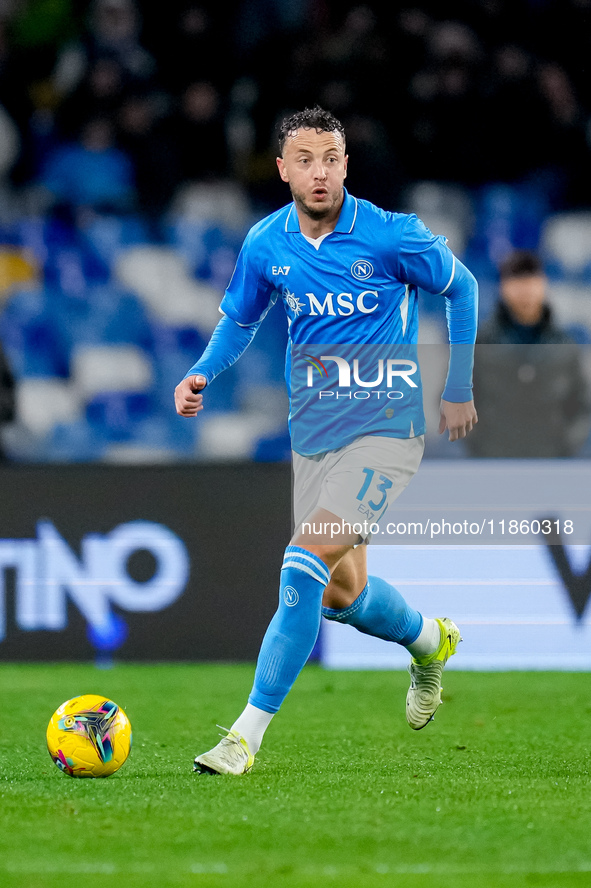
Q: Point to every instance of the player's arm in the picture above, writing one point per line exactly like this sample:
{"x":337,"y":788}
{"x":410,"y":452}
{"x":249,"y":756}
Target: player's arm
{"x":426,"y":261}
{"x":247,"y":299}
{"x":457,"y":412}
{"x":228,"y":341}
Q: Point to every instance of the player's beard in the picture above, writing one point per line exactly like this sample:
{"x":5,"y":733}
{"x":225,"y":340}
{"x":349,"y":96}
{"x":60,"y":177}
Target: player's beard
{"x":320,"y":212}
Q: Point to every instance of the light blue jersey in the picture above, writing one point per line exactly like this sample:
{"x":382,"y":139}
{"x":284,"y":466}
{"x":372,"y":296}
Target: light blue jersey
{"x":359,"y":285}
{"x":351,"y":303}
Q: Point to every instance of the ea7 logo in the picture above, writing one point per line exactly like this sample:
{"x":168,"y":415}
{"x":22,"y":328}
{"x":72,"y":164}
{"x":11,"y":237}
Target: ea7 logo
{"x":281,"y":269}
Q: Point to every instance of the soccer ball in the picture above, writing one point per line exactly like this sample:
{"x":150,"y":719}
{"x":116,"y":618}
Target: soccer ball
{"x":89,"y":736}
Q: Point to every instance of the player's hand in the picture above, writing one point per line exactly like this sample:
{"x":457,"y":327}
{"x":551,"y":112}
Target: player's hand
{"x":188,"y":399}
{"x":458,"y":419}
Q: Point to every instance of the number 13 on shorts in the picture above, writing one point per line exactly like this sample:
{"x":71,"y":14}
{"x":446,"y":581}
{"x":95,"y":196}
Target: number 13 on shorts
{"x":373,"y":492}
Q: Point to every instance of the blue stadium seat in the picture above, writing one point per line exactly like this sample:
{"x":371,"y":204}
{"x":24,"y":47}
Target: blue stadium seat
{"x":114,"y":416}
{"x":566,"y":246}
{"x":32,"y":337}
{"x":188,"y":238}
{"x":104,"y":314}
{"x":507,"y":217}
{"x":206,"y":246}
{"x":75,"y":442}
{"x":271,"y":342}
{"x":106,"y":235}
{"x":275,"y":448}
{"x":579,"y":333}
{"x":167,"y":431}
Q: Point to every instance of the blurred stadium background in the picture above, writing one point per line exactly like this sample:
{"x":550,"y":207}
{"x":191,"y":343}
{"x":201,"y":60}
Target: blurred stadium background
{"x":137,"y":147}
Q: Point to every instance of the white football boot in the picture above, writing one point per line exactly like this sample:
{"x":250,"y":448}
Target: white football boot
{"x":424,"y":694}
{"x":230,"y":756}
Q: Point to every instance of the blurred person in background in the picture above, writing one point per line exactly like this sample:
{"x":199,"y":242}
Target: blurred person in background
{"x":145,"y":133}
{"x":91,"y":173}
{"x":533,"y":396}
{"x":112,"y":32}
{"x":7,"y":397}
{"x":445,"y":99}
{"x":199,"y":130}
{"x":99,"y":94}
{"x":192,"y":44}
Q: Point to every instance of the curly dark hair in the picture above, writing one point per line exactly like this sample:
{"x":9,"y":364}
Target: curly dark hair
{"x":520,"y":263}
{"x":310,"y":118}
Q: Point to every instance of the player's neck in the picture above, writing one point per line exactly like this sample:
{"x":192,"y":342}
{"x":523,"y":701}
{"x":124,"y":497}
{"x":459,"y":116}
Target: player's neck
{"x":314,"y":228}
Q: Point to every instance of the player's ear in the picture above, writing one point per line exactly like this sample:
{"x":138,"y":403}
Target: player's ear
{"x":281,"y":168}
{"x":346,"y":159}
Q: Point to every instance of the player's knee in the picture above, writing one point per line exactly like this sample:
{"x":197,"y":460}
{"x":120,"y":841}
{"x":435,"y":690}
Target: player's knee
{"x":336,"y":597}
{"x":340,"y":593}
{"x":329,"y":554}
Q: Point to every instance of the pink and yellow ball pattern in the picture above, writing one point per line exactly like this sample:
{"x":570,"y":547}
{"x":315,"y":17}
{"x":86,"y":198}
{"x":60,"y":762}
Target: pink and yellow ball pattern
{"x":89,"y":736}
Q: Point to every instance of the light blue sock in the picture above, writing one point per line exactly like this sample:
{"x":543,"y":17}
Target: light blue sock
{"x":380,"y":610}
{"x":293,"y":631}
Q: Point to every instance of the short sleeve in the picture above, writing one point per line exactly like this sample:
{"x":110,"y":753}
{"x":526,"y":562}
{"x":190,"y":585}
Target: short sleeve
{"x":424,"y":258}
{"x":249,"y":295}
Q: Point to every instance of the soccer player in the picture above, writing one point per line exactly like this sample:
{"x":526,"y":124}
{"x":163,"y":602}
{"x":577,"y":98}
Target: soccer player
{"x":347,"y":273}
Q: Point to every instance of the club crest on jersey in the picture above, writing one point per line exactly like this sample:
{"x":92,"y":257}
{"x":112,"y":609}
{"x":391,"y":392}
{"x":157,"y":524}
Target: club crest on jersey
{"x":362,"y":269}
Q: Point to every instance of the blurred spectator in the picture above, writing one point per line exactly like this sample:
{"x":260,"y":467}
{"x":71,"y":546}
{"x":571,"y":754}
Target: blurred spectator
{"x":145,"y":134}
{"x":199,"y":130}
{"x":446,"y":110}
{"x":14,"y":78}
{"x":566,"y":154}
{"x":564,"y":35}
{"x":532,"y":397}
{"x":113,"y":32}
{"x":191,"y":44}
{"x":512,"y":124}
{"x":92,"y":172}
{"x":99,"y":94}
{"x":7,"y":397}
{"x":356,"y":52}
{"x":375,"y":173}
{"x":409,"y":40}
{"x":9,"y":144}
{"x":39,"y":29}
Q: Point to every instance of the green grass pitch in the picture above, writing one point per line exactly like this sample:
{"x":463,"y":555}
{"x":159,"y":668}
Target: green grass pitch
{"x":496,"y":792}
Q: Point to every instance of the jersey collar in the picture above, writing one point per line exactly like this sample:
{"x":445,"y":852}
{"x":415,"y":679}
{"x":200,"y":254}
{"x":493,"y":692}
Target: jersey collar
{"x":345,"y":223}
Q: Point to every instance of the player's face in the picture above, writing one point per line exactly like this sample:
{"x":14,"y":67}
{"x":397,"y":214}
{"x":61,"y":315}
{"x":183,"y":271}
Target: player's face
{"x":315,"y":165}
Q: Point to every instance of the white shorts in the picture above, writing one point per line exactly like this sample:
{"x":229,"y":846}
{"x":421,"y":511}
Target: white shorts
{"x":358,"y":482}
